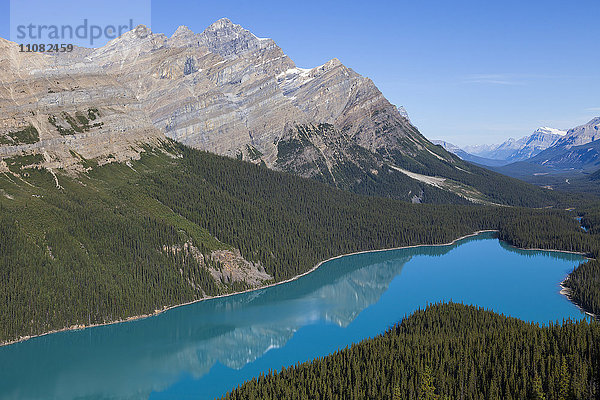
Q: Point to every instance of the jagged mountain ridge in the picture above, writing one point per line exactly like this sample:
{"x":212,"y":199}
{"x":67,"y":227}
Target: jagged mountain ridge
{"x":580,"y":135}
{"x":228,"y":92}
{"x":541,"y":139}
{"x":579,"y":149}
{"x":571,"y":164}
{"x":220,"y":90}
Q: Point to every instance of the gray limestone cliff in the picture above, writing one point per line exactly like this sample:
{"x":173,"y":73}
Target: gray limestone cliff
{"x":223,"y":90}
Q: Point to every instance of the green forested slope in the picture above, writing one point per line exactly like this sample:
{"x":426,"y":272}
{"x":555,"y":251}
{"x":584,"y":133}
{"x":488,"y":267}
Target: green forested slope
{"x":449,"y":352}
{"x":89,"y":253}
{"x":97,"y":249}
{"x":291,"y":223}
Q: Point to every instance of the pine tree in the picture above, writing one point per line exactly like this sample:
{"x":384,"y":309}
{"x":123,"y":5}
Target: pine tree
{"x":427,"y":385}
{"x":538,"y":390}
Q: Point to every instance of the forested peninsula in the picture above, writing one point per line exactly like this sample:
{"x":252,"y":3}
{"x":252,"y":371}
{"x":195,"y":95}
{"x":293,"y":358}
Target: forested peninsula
{"x":448,"y":351}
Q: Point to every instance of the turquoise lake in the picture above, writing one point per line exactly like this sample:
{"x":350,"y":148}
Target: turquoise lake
{"x":204,"y":349}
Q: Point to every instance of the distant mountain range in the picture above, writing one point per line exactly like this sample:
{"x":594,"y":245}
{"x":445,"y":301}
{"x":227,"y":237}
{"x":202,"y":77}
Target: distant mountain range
{"x":512,"y":150}
{"x":468,"y":156}
{"x":549,"y":157}
{"x":578,"y":151}
{"x":546,"y":149}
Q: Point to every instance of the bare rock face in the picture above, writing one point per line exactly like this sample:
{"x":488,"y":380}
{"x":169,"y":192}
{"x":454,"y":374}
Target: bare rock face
{"x":403,"y":112}
{"x":229,"y":92}
{"x":223,"y":90}
{"x":226,"y":266}
{"x":67,"y":111}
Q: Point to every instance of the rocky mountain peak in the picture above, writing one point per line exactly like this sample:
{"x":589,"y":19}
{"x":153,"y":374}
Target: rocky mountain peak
{"x":404,"y":113}
{"x":139,"y":32}
{"x":221,"y":24}
{"x":223,"y":90}
{"x":231,"y":40}
{"x":548,"y":130}
{"x":331,"y":64}
{"x":544,"y":137}
{"x":182,"y":31}
{"x":140,"y":37}
{"x":334,"y":62}
{"x":5,"y":43}
{"x":446,"y":145}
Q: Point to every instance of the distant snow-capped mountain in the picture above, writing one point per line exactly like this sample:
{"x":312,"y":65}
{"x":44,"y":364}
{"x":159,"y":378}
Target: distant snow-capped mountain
{"x":447,"y":145}
{"x":579,"y":149}
{"x":513,"y":150}
{"x":540,"y":140}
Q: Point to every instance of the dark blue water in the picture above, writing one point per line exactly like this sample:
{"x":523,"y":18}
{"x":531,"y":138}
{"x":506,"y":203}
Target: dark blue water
{"x":203,"y":350}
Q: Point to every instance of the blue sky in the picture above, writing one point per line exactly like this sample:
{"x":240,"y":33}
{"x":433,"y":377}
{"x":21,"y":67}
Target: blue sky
{"x":467,"y":71}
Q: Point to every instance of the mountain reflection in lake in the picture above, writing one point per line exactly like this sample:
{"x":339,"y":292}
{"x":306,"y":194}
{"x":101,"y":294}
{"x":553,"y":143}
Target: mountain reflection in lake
{"x":204,"y":349}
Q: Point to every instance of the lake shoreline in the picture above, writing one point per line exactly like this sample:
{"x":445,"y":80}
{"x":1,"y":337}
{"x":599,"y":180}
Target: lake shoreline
{"x":565,"y":291}
{"x":167,"y":308}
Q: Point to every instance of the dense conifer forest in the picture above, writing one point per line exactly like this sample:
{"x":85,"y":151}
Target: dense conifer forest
{"x":99,"y":247}
{"x":448,"y":351}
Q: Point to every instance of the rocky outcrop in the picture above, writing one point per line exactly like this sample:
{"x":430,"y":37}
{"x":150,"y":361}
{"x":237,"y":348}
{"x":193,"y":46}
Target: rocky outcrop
{"x":226,"y":266}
